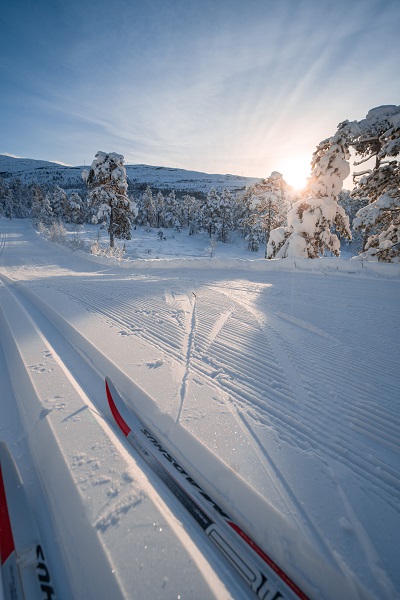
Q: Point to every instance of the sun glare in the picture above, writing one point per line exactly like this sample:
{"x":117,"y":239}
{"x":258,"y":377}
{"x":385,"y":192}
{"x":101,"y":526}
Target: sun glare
{"x":295,"y":171}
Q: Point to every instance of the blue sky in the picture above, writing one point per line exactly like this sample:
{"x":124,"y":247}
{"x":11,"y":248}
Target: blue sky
{"x":222,"y":86}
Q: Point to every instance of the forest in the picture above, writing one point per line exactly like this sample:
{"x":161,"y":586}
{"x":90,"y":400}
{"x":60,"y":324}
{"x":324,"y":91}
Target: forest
{"x":267,"y":214}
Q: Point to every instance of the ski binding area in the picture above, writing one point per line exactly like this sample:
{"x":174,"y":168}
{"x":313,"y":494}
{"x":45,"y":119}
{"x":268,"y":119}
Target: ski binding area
{"x":246,"y":443}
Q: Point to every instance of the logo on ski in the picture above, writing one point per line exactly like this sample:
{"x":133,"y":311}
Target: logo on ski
{"x":24,"y":570}
{"x":266,"y":579}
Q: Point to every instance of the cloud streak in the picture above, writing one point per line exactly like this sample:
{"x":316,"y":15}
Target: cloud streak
{"x":222,"y":87}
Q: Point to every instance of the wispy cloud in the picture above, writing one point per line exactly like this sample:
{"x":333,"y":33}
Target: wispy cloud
{"x":227,"y":86}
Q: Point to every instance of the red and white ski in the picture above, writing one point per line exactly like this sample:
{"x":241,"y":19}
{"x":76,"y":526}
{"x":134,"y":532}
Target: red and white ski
{"x":265,"y":578}
{"x":24,"y":572}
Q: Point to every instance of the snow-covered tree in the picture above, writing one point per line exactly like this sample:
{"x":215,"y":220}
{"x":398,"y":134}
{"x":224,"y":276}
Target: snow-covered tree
{"x":382,"y":215}
{"x":73,"y":210}
{"x":351,"y":206}
{"x":188,"y":210}
{"x":269,"y":203}
{"x":6,"y":200}
{"x":20,"y":201}
{"x":148,"y":208}
{"x":310,"y":221}
{"x":108,"y":193}
{"x":243,"y":211}
{"x":210,"y":211}
{"x":160,"y":210}
{"x":225,"y":218}
{"x":58,"y":202}
{"x":170,"y":211}
{"x":255,"y":236}
{"x":377,"y":139}
{"x":42,"y":212}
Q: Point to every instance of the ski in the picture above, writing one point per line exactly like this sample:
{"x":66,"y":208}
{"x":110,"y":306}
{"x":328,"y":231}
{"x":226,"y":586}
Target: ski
{"x":265,"y":578}
{"x":25,"y":574}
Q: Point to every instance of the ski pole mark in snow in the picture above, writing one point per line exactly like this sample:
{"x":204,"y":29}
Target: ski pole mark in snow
{"x":55,"y":402}
{"x":122,"y":493}
{"x":113,"y":514}
{"x":189,"y":350}
{"x":39,"y":368}
{"x":155,"y":364}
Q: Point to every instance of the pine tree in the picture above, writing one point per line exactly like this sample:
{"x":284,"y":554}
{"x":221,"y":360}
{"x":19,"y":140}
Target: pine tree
{"x":383,"y":216}
{"x":73,"y":212}
{"x":42,"y":212}
{"x":108,"y":193}
{"x":210,"y":212}
{"x":188,"y":210}
{"x":377,"y":138}
{"x":160,"y":210}
{"x":225,"y":220}
{"x":255,"y":237}
{"x":310,"y":221}
{"x":170,"y":210}
{"x":58,"y":202}
{"x":20,"y":205}
{"x":148,"y":208}
{"x":243,"y":213}
{"x":6,"y":200}
{"x":269,"y":200}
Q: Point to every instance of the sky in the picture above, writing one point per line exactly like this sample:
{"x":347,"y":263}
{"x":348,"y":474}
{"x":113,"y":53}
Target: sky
{"x":221,"y":86}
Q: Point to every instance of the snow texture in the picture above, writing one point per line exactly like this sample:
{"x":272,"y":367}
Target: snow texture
{"x":274,"y":383}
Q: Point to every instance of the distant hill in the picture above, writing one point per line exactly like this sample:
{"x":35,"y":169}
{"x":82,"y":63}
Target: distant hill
{"x":139,"y":176}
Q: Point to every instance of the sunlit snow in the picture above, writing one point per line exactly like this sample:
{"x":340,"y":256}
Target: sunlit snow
{"x":275,"y":383}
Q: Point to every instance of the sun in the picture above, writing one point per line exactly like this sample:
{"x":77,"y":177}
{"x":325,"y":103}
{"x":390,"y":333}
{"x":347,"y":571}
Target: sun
{"x":295,"y":171}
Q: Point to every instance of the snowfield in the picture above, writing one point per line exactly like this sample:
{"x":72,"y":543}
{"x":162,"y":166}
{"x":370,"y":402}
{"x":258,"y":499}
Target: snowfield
{"x":275,"y":384}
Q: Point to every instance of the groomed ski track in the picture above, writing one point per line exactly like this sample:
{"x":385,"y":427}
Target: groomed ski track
{"x":226,"y":367}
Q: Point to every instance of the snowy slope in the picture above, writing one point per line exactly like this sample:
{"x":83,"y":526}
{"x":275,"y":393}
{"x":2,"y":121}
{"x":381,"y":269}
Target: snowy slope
{"x":138,"y":175}
{"x":12,"y":164}
{"x":275,"y":383}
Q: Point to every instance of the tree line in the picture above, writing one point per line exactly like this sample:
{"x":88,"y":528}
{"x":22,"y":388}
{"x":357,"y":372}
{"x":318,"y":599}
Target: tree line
{"x":252,"y":212}
{"x":267,"y":213}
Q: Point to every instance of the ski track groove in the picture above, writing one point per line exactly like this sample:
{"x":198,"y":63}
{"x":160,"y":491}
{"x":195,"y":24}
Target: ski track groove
{"x":342,"y":446}
{"x":191,"y":329}
{"x":257,"y":383}
{"x":304,"y":516}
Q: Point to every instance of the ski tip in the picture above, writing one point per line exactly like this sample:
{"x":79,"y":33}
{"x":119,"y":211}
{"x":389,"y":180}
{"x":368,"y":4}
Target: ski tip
{"x":112,"y":397}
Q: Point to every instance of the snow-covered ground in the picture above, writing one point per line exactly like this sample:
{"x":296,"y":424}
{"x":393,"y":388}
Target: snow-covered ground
{"x":276,"y":384}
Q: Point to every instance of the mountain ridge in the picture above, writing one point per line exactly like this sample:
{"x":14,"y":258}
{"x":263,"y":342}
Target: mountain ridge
{"x":139,"y":176}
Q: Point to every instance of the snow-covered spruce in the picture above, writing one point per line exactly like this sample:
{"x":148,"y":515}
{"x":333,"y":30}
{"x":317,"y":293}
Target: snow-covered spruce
{"x":383,"y":214}
{"x":108,"y":193}
{"x":269,"y":203}
{"x":310,"y":221}
{"x":377,"y":137}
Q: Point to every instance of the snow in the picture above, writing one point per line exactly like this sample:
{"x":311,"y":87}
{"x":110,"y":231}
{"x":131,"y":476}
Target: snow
{"x":164,"y":178}
{"x":274,"y":383}
{"x":15,"y":164}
